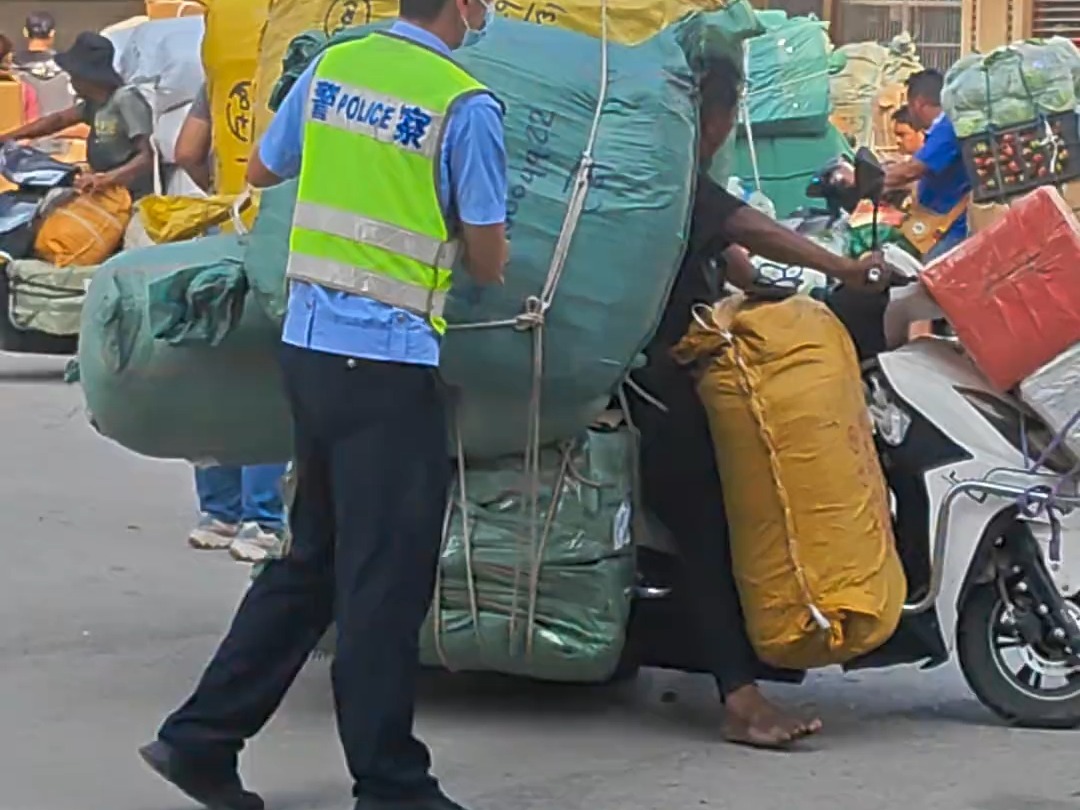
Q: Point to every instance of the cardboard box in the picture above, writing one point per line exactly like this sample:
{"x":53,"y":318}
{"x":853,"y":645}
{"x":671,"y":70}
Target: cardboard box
{"x":982,"y":215}
{"x":1053,"y":392}
{"x":1012,"y":291}
{"x":11,"y":105}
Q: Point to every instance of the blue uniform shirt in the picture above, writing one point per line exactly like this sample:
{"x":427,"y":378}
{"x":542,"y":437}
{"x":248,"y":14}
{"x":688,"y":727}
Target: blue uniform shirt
{"x":945,"y":182}
{"x":472,"y":190}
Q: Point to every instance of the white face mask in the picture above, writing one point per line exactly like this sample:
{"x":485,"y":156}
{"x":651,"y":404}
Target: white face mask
{"x":473,"y":36}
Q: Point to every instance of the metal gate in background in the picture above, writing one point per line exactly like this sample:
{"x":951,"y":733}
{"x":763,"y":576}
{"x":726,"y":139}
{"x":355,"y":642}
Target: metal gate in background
{"x":1056,"y":18}
{"x":934,"y":25}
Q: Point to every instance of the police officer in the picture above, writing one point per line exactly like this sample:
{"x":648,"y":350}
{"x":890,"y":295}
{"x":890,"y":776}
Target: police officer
{"x":401,"y":164}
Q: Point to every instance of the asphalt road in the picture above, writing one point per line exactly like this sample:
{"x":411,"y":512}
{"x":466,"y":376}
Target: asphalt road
{"x":108,"y":617}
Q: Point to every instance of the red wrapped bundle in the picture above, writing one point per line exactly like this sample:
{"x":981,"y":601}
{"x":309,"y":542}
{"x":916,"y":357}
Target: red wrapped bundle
{"x":1012,"y":291}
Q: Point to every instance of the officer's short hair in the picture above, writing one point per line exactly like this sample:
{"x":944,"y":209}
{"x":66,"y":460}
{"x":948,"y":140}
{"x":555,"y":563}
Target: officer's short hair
{"x":423,"y":10}
{"x":720,"y":86}
{"x":40,"y":25}
{"x":926,"y":84}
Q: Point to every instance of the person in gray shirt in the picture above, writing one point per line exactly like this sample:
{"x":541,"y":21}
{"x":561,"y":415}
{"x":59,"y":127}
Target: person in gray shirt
{"x":193,"y":144}
{"x":121,"y":121}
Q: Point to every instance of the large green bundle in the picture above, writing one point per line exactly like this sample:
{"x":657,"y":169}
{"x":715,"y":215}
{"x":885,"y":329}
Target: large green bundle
{"x":627,"y":242}
{"x":1012,"y":85}
{"x":787,"y":84}
{"x":550,"y":603}
{"x":175,"y":359}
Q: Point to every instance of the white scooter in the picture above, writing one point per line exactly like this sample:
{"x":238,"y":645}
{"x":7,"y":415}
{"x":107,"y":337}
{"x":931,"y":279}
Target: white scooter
{"x":987,"y":522}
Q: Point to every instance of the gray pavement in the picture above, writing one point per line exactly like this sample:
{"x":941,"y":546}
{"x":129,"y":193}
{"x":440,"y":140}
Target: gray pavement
{"x":108,"y":617}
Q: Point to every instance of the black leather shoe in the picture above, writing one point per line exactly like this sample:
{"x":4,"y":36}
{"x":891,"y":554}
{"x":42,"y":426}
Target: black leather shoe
{"x":439,"y":801}
{"x":212,"y":791}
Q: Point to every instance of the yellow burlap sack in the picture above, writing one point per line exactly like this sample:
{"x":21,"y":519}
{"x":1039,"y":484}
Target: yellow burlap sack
{"x":230,"y":55}
{"x":288,"y":19}
{"x":174,"y":219}
{"x":86,"y":229}
{"x":814,"y":557}
{"x":629,"y":22}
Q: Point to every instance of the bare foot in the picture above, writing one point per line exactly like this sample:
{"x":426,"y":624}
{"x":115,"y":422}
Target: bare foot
{"x":755,"y":721}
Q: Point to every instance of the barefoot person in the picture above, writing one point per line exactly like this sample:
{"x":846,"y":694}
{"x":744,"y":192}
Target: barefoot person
{"x":680,"y":482}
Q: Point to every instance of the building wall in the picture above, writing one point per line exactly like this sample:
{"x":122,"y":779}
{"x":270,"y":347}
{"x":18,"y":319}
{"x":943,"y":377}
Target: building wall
{"x":72,"y":16}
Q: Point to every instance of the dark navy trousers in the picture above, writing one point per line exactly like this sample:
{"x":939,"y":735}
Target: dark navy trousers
{"x":366,"y":523}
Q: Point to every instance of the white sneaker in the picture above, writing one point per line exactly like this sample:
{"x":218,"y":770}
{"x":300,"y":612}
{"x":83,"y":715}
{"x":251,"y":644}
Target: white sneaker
{"x":212,"y":534}
{"x":254,"y":544}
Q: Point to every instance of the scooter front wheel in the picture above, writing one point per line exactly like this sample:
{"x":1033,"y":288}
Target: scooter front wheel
{"x":1024,"y":680}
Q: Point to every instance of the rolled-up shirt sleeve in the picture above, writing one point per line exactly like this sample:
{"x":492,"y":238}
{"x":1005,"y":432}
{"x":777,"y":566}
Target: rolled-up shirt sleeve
{"x":282,"y":143}
{"x":477,"y":160}
{"x":941,"y":149}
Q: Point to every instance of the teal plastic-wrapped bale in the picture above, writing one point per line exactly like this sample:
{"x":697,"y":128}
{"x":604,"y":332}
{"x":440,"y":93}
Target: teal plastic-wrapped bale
{"x":787,"y":85}
{"x":552,"y":603}
{"x":626,"y":246}
{"x":177,"y":361}
{"x":786,"y":165}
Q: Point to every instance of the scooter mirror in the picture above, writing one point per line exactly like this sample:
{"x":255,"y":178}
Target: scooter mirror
{"x":869,"y":176}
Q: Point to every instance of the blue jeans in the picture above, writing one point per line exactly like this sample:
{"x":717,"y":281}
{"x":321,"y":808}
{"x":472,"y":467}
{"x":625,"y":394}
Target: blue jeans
{"x":242,"y":494}
{"x":944,"y":245}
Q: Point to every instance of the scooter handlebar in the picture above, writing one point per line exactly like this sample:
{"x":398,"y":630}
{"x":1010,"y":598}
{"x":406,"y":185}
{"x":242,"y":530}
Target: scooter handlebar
{"x":874,"y":274}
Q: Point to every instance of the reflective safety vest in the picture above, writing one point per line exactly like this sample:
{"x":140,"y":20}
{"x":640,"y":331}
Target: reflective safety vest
{"x":368,"y":219}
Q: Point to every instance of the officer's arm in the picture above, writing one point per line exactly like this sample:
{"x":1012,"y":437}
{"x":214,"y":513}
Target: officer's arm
{"x":486,"y":252}
{"x":477,"y":156}
{"x":276,"y":157}
{"x":258,"y":176}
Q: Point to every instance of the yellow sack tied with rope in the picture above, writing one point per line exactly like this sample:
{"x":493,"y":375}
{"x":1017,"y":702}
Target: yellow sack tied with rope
{"x":814,"y":557}
{"x":85,"y":229}
{"x":230,"y":56}
{"x":175,"y":219}
{"x":629,"y":23}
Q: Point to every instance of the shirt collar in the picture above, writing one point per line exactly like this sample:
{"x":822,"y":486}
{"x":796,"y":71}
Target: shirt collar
{"x":414,"y":33}
{"x":939,"y":119}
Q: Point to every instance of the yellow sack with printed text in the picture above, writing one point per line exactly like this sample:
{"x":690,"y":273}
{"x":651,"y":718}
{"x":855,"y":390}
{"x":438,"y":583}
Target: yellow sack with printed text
{"x":230,"y":56}
{"x":174,"y":219}
{"x":819,"y":576}
{"x":629,"y":22}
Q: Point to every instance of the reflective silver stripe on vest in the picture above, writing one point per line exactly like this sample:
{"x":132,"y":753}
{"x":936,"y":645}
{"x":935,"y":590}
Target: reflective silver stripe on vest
{"x":387,"y":119}
{"x":424,"y":249}
{"x":355,"y":280}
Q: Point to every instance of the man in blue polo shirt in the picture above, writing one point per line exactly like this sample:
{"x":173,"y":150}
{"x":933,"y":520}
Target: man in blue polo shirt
{"x":938,"y":167}
{"x":359,"y":364}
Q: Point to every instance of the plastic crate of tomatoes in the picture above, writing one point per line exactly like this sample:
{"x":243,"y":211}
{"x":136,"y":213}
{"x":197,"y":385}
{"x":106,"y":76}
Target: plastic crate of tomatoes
{"x":1007,"y":162}
{"x":1012,"y":291}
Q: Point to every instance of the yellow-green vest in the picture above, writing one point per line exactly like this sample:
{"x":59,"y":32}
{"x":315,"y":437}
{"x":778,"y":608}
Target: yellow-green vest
{"x":368,"y":219}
